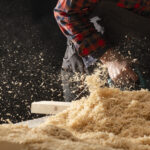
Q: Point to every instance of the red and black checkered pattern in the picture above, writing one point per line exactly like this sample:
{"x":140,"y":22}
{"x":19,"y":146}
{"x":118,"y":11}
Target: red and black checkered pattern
{"x":73,"y":19}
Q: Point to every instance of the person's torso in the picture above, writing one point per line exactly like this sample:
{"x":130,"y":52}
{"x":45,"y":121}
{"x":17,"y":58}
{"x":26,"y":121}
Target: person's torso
{"x":128,"y":32}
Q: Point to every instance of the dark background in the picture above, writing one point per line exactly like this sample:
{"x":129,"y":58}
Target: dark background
{"x":31,"y":52}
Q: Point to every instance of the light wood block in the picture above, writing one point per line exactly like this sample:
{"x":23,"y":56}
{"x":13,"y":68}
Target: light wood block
{"x":34,"y":122}
{"x":49,"y":107}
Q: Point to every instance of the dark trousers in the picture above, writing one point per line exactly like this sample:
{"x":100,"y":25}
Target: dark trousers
{"x":129,"y":34}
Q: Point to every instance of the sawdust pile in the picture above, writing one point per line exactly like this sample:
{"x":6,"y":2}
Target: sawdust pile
{"x":108,"y":119}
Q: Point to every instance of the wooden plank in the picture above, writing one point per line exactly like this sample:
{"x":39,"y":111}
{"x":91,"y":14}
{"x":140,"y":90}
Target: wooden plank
{"x":49,"y":107}
{"x":34,"y":122}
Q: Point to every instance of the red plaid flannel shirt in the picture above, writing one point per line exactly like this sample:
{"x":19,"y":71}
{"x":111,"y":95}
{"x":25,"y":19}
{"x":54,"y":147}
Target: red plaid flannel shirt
{"x":73,"y":19}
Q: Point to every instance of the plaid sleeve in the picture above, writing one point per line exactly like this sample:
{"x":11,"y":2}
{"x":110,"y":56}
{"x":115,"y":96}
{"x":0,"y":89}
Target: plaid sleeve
{"x":138,"y":6}
{"x":72,"y":17}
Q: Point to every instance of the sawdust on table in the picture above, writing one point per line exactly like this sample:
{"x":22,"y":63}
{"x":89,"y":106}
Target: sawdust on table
{"x":108,"y":119}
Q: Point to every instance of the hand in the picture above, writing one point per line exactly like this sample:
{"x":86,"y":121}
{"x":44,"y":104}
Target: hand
{"x":118,"y":68}
{"x":120,"y":72}
{"x":76,"y":63}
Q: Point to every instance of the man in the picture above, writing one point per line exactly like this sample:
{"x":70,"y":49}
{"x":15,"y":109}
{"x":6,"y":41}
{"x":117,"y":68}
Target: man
{"x":86,"y":44}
